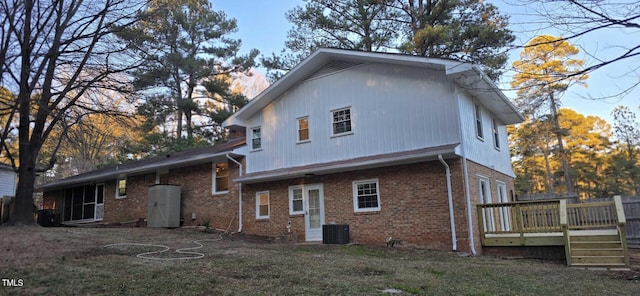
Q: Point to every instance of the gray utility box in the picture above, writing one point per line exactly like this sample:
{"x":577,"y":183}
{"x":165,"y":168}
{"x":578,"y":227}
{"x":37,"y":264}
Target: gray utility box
{"x":163,"y":206}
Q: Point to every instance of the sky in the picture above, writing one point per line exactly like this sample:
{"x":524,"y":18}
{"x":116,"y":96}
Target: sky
{"x":262,"y":25}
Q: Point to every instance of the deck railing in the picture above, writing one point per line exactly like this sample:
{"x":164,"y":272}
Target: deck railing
{"x":549,"y":216}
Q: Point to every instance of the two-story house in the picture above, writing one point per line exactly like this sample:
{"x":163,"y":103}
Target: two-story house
{"x":395,"y":146}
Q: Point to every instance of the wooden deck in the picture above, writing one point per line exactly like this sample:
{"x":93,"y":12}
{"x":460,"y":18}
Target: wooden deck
{"x":593,"y":234}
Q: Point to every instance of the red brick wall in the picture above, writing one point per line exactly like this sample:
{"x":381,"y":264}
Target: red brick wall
{"x":474,"y":170}
{"x":413,"y":198}
{"x":220,"y":210}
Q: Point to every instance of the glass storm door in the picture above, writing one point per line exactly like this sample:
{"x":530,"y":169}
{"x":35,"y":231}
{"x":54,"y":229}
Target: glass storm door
{"x":99,"y":202}
{"x":314,"y":212}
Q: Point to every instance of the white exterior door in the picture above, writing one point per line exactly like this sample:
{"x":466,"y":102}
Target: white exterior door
{"x":314,"y":212}
{"x":505,"y":217}
{"x":485,"y":198}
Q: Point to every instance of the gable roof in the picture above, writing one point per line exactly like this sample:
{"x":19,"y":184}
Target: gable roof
{"x":195,"y":156}
{"x":468,"y":76}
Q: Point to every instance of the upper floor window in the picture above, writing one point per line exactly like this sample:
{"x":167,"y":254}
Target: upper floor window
{"x":496,"y":136}
{"x":366,"y":197}
{"x":121,"y":188}
{"x":220,"y":178}
{"x":303,"y":129}
{"x":478,"y":119}
{"x":256,"y":138}
{"x":341,"y":121}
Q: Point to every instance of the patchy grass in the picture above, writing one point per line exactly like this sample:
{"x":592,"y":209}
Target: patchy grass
{"x":74,"y":261}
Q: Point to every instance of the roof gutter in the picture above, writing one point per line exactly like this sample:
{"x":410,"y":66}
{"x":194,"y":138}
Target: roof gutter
{"x":239,"y":192}
{"x":454,"y":240}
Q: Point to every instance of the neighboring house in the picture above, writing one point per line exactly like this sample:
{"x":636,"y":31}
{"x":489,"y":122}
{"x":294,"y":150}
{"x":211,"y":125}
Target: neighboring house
{"x":395,"y":146}
{"x":7,"y":180}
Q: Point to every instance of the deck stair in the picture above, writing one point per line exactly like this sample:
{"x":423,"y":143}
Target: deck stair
{"x":597,"y":248}
{"x":593,"y":233}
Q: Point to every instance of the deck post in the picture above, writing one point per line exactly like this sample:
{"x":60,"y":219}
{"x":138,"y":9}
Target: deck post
{"x":481,"y":223}
{"x":564,"y":225}
{"x":520,"y":223}
{"x":622,"y":231}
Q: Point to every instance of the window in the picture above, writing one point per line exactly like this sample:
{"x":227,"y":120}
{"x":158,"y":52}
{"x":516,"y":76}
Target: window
{"x":478,"y":118}
{"x":296,"y":204}
{"x":341,"y":121}
{"x":496,"y":136}
{"x":121,"y":188}
{"x":220,"y":178}
{"x":256,"y":138}
{"x":262,"y":205}
{"x":366,"y":197}
{"x":303,"y":129}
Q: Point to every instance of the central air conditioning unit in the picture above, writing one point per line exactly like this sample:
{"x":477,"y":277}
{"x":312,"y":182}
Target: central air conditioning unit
{"x":335,"y":234}
{"x":163,"y":206}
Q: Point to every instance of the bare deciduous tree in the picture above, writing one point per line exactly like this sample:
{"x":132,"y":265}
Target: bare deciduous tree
{"x":52,"y":54}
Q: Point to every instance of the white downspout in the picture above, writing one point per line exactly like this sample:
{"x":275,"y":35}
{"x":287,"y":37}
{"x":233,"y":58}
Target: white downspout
{"x":454,"y":240}
{"x":469,"y":216}
{"x":239,"y":193}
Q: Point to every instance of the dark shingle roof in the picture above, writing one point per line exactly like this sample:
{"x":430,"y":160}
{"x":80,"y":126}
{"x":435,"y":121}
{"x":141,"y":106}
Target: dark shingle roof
{"x":168,"y":161}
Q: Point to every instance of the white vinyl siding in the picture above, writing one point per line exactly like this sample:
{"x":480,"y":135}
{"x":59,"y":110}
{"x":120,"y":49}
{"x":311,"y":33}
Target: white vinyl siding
{"x":482,"y":152}
{"x":7,"y":183}
{"x":392,"y":109}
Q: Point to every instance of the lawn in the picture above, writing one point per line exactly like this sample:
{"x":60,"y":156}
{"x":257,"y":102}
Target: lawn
{"x":75,"y":261}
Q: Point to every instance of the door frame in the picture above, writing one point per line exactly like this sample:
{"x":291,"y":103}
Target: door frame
{"x":313,"y":234}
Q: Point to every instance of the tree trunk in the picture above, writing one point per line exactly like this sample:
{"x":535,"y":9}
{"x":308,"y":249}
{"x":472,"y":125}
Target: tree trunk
{"x":561,"y":151}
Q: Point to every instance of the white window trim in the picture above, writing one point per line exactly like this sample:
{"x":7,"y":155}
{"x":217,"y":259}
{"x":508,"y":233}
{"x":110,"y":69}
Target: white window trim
{"x":333,"y":134}
{"x":258,"y":217}
{"x":355,"y":196}
{"x":482,"y":178}
{"x":298,"y":130}
{"x":213,"y":182}
{"x":118,"y":196}
{"x":477,"y":117}
{"x":496,"y":133}
{"x":291,"y":211}
{"x":502,"y":187}
{"x":251,"y":139}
